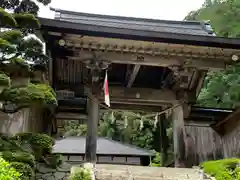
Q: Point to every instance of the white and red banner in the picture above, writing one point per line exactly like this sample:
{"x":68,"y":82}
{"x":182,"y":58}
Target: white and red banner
{"x":106,"y":93}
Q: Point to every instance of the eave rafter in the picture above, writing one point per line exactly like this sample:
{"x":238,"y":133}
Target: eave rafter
{"x":151,"y":60}
{"x":149,"y":53}
{"x":145,"y":47}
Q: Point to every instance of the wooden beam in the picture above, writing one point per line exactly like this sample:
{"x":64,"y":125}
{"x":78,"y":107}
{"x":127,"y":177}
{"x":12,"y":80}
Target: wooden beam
{"x":50,"y":68}
{"x":92,"y":131}
{"x":163,"y":139}
{"x":133,"y":75}
{"x":179,"y":137}
{"x":133,"y":107}
{"x":150,"y":60}
{"x":72,"y":116}
{"x":200,"y":82}
{"x":140,"y":96}
{"x":128,"y":72}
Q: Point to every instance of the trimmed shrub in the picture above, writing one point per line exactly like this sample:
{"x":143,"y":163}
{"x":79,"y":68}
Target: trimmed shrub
{"x":33,"y":93}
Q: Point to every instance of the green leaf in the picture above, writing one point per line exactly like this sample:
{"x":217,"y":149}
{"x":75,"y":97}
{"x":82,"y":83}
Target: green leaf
{"x":6,"y":19}
{"x":26,"y":20}
{"x":13,"y":36}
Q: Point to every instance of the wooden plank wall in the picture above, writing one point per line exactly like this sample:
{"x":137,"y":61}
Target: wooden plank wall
{"x":207,"y":143}
{"x":231,"y":145}
{"x":70,"y":71}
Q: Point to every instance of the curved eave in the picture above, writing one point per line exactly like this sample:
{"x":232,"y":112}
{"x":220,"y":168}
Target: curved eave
{"x":93,"y":30}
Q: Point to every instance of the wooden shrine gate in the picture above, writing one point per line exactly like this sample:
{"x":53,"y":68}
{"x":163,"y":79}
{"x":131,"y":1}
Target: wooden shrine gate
{"x":152,"y":65}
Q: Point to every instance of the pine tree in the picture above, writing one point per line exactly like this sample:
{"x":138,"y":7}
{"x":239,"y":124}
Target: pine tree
{"x":23,"y":86}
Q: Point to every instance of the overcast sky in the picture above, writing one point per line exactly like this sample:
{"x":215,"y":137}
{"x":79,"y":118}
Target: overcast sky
{"x":156,"y":9}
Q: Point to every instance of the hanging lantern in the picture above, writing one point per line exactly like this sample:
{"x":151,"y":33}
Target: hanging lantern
{"x":112,"y":118}
{"x":125,"y":122}
{"x":156,"y":121}
{"x":141,"y":123}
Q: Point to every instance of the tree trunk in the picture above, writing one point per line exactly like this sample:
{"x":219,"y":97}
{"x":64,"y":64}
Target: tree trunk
{"x":25,"y":120}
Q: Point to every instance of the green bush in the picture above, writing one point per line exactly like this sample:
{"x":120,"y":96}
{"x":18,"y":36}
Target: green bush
{"x":7,"y":172}
{"x":237,"y":173}
{"x":80,"y":174}
{"x":225,"y":169}
{"x":19,"y":156}
{"x":157,"y":160}
{"x":25,"y":170}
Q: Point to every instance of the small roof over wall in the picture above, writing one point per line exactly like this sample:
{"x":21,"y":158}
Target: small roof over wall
{"x":76,"y":145}
{"x":227,"y":124}
{"x":207,"y":116}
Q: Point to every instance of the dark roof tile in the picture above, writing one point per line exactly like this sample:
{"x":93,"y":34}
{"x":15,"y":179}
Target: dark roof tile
{"x":179,"y":27}
{"x":76,"y":145}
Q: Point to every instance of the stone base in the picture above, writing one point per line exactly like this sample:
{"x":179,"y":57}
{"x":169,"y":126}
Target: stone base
{"x":46,"y":173}
{"x":20,"y":81}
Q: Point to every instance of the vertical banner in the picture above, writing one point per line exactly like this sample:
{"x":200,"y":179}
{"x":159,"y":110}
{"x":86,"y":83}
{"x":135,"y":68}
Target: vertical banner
{"x":106,"y":93}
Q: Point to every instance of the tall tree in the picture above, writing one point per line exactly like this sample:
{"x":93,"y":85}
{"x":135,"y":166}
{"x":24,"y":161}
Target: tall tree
{"x":221,"y":89}
{"x":21,"y":56}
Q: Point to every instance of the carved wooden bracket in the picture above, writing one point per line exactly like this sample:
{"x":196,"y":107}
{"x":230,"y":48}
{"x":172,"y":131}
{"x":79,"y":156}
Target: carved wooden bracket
{"x":96,"y":62}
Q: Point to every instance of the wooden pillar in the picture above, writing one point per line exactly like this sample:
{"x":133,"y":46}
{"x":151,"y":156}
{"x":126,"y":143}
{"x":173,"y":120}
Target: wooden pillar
{"x":179,"y":136}
{"x":50,"y":68}
{"x":92,"y":131}
{"x":163,"y":139}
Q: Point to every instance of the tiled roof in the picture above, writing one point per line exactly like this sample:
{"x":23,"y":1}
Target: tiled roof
{"x":179,"y":27}
{"x":76,"y":145}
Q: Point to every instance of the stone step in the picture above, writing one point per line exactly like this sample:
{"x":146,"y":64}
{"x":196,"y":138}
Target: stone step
{"x":121,"y":172}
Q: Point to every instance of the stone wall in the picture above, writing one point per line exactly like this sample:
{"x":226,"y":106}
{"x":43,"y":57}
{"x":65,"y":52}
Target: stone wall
{"x":46,"y":173}
{"x":79,"y":159}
